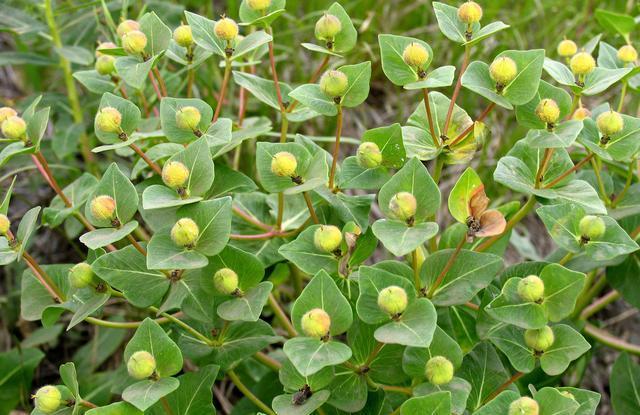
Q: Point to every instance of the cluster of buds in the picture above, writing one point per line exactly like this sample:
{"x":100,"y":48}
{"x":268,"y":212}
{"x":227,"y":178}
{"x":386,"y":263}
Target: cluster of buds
{"x":591,"y":227}
{"x":503,"y":70}
{"x":48,"y":399}
{"x":175,"y":175}
{"x":105,"y":64}
{"x":393,"y":300}
{"x":469,"y":13}
{"x":416,"y":56}
{"x":327,"y":238}
{"x":284,"y":164}
{"x":316,"y":323}
{"x":81,"y":275}
{"x":524,"y":406}
{"x":439,"y":370}
{"x":403,"y":206}
{"x":103,"y":207}
{"x":327,"y":28}
{"x":141,"y":365}
{"x":531,"y":289}
{"x":548,"y":112}
{"x":225,"y":280}
{"x":109,"y":120}
{"x":12,"y":125}
{"x":369,"y":155}
{"x":539,"y":339}
{"x":609,"y":123}
{"x":185,"y":233}
{"x":133,"y":40}
{"x":334,"y":84}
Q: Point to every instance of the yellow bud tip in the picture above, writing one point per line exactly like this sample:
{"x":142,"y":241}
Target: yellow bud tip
{"x":105,"y":65}
{"x":127,"y":26}
{"x":531,"y":289}
{"x":609,"y":123}
{"x":334,"y":83}
{"x":226,"y":281}
{"x":284,"y":164}
{"x":188,"y":118}
{"x":104,"y":45}
{"x":627,"y":54}
{"x":316,"y":323}
{"x":327,"y":27}
{"x":580,"y":114}
{"x":14,"y":128}
{"x":81,"y":275}
{"x":403,"y":206}
{"x":548,"y":111}
{"x":226,"y":29}
{"x":259,"y":5}
{"x":524,"y":406}
{"x":327,"y":238}
{"x":503,"y":70}
{"x":141,"y":365}
{"x":134,"y":42}
{"x":582,"y":63}
{"x":185,"y":233}
{"x":567,"y":48}
{"x":568,"y":394}
{"x":5,"y":224}
{"x":539,"y":339}
{"x":108,"y":119}
{"x":6,"y":112}
{"x":48,"y":399}
{"x":103,"y":207}
{"x":182,"y":35}
{"x":591,"y":227}
{"x":369,"y":155}
{"x":415,"y":55}
{"x":393,"y":300}
{"x":175,"y":174}
{"x":439,"y":370}
{"x":470,"y":12}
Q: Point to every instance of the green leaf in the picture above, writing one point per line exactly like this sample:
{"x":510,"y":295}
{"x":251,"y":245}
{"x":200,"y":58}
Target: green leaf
{"x":615,"y":22}
{"x":94,"y":82}
{"x":414,"y":328}
{"x":116,"y":185}
{"x":249,"y":306}
{"x":27,"y":226}
{"x":348,"y":390}
{"x":438,"y":78}
{"x":130,"y":117}
{"x":359,"y":77}
{"x":483,"y":369}
{"x":194,"y":395}
{"x":250,"y":43}
{"x":310,"y":355}
{"x":248,"y":16}
{"x":562,"y":136}
{"x":389,"y":141}
{"x":152,"y":338}
{"x":458,"y":388}
{"x":163,"y":253}
{"x":311,"y":171}
{"x":353,"y":176}
{"x":587,"y":400}
{"x":449,"y":24}
{"x":526,"y":113}
{"x":552,"y":402}
{"x":438,"y":403}
{"x":158,"y":34}
{"x":87,"y":308}
{"x":304,"y":254}
{"x":283,"y":404}
{"x":414,"y":359}
{"x":117,"y":408}
{"x":372,"y":281}
{"x":203,"y":33}
{"x":600,"y":79}
{"x":346,"y":39}
{"x":560,"y":73}
{"x":158,"y":196}
{"x":293,"y":381}
{"x":461,"y":194}
{"x":567,"y":347}
{"x":401,"y":239}
{"x":499,"y":404}
{"x":312,"y":96}
{"x":102,"y":237}
{"x":249,"y":268}
{"x":625,"y":385}
{"x":17,"y":366}
{"x":509,"y":308}
{"x":169,"y":107}
{"x":510,"y":341}
{"x":145,"y":393}
{"x":14,"y":149}
{"x":391,"y":50}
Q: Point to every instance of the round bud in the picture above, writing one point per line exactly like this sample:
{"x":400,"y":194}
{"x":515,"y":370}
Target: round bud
{"x":327,"y":238}
{"x":104,"y":45}
{"x":334,"y":83}
{"x":503,"y":70}
{"x":592,"y":227}
{"x":609,"y":123}
{"x":524,"y":406}
{"x":226,"y":29}
{"x":415,"y":55}
{"x":627,"y":54}
{"x":188,"y":118}
{"x":439,"y":370}
{"x":81,"y":275}
{"x":185,"y":232}
{"x":182,"y":35}
{"x":470,"y":12}
{"x":369,"y":155}
{"x":226,"y":281}
{"x":175,"y":174}
{"x":5,"y":224}
{"x":316,"y":323}
{"x":105,"y":65}
{"x":327,"y":27}
{"x":403,"y":205}
{"x":127,"y":26}
{"x":48,"y":399}
{"x":134,"y":42}
{"x":581,"y":114}
{"x":103,"y":207}
{"x":539,"y":339}
{"x":582,"y":63}
{"x":141,"y":365}
{"x":284,"y":164}
{"x":14,"y":127}
{"x":392,"y":300}
{"x":531,"y":289}
{"x":567,"y":48}
{"x":259,"y":5}
{"x":548,"y":111}
{"x":6,"y":112}
{"x":108,"y":119}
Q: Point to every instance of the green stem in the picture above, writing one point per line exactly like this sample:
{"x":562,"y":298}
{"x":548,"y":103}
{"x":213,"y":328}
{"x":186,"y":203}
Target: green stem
{"x":596,"y":170}
{"x":281,"y":316}
{"x":599,"y":304}
{"x":416,"y":269}
{"x":623,"y":93}
{"x":284,"y":126}
{"x":524,"y":210}
{"x":608,"y":339}
{"x":312,"y":211}
{"x":374,"y":353}
{"x":246,"y":392}
{"x":336,"y":148}
{"x":446,"y":268}
{"x":627,"y":184}
{"x":184,"y":325}
{"x":270,"y":362}
{"x":566,"y":258}
{"x":437,"y":170}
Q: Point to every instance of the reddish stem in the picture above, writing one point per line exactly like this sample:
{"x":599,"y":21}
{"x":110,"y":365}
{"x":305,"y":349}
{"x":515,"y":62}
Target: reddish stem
{"x":456,"y":91}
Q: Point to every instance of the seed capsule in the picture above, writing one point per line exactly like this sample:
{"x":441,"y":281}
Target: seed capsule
{"x":503,"y":70}
{"x":470,"y":12}
{"x":334,"y":83}
{"x":415,"y":55}
{"x":108,"y":119}
{"x":284,"y":164}
{"x":609,"y":123}
{"x":403,"y":206}
{"x":567,"y":48}
{"x":185,"y":233}
{"x":581,"y":114}
{"x":103,"y":207}
{"x":182,"y":35}
{"x":226,"y":29}
{"x":316,"y":323}
{"x":141,"y":365}
{"x":175,"y":174}
{"x":81,"y":275}
{"x":439,"y":370}
{"x":369,"y":155}
{"x":392,"y":300}
{"x":531,"y":289}
{"x":524,"y":406}
{"x":134,"y":42}
{"x":627,"y":54}
{"x":5,"y":224}
{"x":591,"y":227}
{"x":188,"y":118}
{"x":226,"y":281}
{"x":548,"y":111}
{"x":14,"y":128}
{"x":48,"y":399}
{"x":105,"y":65}
{"x":582,"y":63}
{"x":327,"y":27}
{"x":6,"y":112}
{"x":539,"y":339}
{"x":327,"y":238}
{"x":127,"y":26}
{"x":104,"y":45}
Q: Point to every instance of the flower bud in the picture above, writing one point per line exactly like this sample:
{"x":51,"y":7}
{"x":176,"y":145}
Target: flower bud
{"x":403,"y":206}
{"x":188,"y":118}
{"x":14,"y":127}
{"x":609,"y":123}
{"x":259,"y":5}
{"x":182,"y":35}
{"x":582,"y":63}
{"x":524,"y":406}
{"x":439,"y":370}
{"x":226,"y":29}
{"x":369,"y":155}
{"x":581,"y":114}
{"x":415,"y":55}
{"x":81,"y":275}
{"x":226,"y":281}
{"x":6,"y":112}
{"x":109,"y":119}
{"x":5,"y":224}
{"x":548,"y":111}
{"x":567,"y":48}
{"x":105,"y":65}
{"x":627,"y":54}
{"x":48,"y":399}
{"x":103,"y":207}
{"x":316,"y":323}
{"x":134,"y":42}
{"x":392,"y":300}
{"x":470,"y":12}
{"x":104,"y":45}
{"x":568,"y":394}
{"x":531,"y":289}
{"x":175,"y":174}
{"x":334,"y":83}
{"x":591,"y":227}
{"x":185,"y":233}
{"x":127,"y":26}
{"x":284,"y":164}
{"x":539,"y":339}
{"x":327,"y":238}
{"x":327,"y":27}
{"x":141,"y":365}
{"x":503,"y":70}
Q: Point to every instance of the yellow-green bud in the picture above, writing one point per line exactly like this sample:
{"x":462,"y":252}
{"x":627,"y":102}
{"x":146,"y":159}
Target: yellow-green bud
{"x":334,"y":83}
{"x":327,"y":27}
{"x":582,"y":63}
{"x":105,"y":64}
{"x":403,"y":206}
{"x":5,"y":224}
{"x":226,"y":29}
{"x":581,"y":114}
{"x":284,"y":164}
{"x":6,"y":112}
{"x":392,"y":300}
{"x":567,"y":48}
{"x":591,"y":227}
{"x":103,"y":207}
{"x":104,"y":45}
{"x":175,"y":174}
{"x":185,"y":233}
{"x":415,"y":55}
{"x":134,"y":42}
{"x":81,"y":275}
{"x":316,"y":323}
{"x":141,"y":365}
{"x":548,"y":111}
{"x":627,"y":54}
{"x":327,"y":238}
{"x":109,"y":119}
{"x":259,"y":5}
{"x":531,"y":289}
{"x":503,"y":70}
{"x":568,"y":394}
{"x":439,"y":370}
{"x":48,"y":399}
{"x":524,"y":406}
{"x":127,"y":26}
{"x":470,"y":12}
{"x":539,"y":339}
{"x":188,"y":118}
{"x":182,"y":35}
{"x":226,"y":281}
{"x":369,"y":155}
{"x":609,"y":123}
{"x":14,"y":127}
